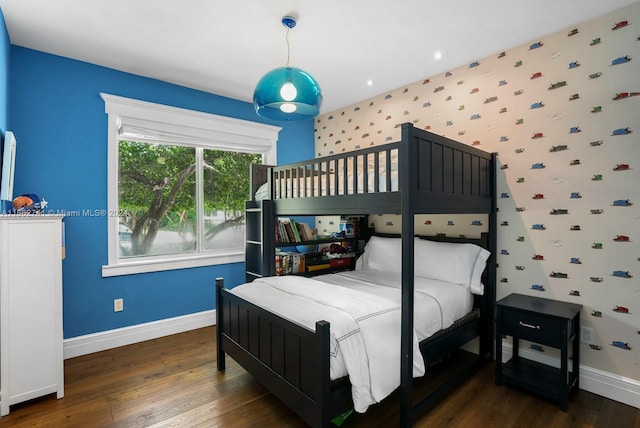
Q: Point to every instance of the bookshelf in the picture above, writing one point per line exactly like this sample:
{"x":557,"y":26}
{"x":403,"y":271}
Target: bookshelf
{"x":267,"y":234}
{"x":340,"y":250}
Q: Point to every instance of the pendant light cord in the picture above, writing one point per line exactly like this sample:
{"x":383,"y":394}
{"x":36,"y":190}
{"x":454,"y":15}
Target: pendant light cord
{"x":288,"y":47}
{"x":289,"y":22}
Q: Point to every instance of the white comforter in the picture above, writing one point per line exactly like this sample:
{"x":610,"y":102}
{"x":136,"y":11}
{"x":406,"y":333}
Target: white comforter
{"x":363,"y":308}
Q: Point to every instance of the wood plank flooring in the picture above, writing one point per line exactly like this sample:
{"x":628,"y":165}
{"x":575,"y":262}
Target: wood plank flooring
{"x":173,"y":382}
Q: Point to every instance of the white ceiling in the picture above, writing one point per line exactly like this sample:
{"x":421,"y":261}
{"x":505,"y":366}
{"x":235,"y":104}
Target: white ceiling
{"x":225,"y":46}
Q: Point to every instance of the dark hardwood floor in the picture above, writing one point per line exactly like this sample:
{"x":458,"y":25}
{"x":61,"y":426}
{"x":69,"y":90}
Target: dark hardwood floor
{"x":173,"y":381}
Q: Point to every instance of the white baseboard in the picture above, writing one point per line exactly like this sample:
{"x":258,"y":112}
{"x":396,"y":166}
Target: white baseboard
{"x":609,"y":385}
{"x":87,"y":344}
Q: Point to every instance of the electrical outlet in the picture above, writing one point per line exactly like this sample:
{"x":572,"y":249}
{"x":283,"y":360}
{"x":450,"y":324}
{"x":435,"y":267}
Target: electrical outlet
{"x":118,"y":305}
{"x":586,"y":335}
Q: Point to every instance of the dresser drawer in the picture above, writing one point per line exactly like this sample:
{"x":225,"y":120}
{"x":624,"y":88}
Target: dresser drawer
{"x":533,"y":327}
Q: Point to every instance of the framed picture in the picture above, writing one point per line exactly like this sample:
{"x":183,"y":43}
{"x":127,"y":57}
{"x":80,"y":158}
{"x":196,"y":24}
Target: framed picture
{"x":8,"y":164}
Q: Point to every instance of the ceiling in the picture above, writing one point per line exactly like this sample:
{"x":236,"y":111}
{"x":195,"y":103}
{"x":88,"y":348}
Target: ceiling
{"x":224,"y":46}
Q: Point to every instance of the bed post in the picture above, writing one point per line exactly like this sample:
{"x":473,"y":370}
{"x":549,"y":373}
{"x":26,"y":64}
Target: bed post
{"x":407,"y":168}
{"x":219,"y":327}
{"x":324,"y":385}
{"x":486,"y":339}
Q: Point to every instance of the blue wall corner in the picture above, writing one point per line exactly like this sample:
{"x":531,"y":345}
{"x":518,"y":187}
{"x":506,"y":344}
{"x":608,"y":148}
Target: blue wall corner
{"x":60,"y":124}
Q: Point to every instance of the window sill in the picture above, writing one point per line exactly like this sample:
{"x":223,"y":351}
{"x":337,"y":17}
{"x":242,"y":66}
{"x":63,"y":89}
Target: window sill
{"x":158,"y":265}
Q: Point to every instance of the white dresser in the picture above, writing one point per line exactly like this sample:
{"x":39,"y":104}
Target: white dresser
{"x":31,"y":362}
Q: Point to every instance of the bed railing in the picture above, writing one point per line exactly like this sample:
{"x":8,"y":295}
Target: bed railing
{"x":447,"y":177}
{"x":368,"y":170}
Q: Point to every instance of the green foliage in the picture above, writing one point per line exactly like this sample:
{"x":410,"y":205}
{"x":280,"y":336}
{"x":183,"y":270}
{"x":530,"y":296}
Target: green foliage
{"x":146,"y":168}
{"x":226,"y":179}
{"x":157,"y":188}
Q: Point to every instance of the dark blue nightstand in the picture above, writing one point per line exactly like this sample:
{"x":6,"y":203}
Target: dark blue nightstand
{"x":546,"y":322}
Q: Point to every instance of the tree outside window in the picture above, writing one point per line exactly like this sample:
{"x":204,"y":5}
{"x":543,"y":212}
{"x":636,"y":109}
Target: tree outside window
{"x":158,"y":201}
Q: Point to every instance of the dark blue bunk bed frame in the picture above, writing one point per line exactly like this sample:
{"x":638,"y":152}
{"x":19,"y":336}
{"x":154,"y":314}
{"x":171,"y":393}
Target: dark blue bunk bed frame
{"x":436,"y":176}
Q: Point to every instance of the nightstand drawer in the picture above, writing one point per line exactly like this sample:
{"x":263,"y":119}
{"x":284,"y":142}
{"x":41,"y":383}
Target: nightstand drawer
{"x":533,"y":327}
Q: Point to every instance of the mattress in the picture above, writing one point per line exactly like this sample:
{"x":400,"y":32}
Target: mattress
{"x":438,"y":304}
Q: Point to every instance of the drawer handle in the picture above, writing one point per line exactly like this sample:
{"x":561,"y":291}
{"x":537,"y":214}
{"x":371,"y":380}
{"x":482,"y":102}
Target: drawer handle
{"x":524,"y":324}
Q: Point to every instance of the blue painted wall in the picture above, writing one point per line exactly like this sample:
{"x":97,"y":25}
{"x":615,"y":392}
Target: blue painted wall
{"x":58,"y":117}
{"x":5,"y":47}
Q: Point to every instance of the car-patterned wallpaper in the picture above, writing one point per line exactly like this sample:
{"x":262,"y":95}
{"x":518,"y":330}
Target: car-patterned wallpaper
{"x":563,"y":114}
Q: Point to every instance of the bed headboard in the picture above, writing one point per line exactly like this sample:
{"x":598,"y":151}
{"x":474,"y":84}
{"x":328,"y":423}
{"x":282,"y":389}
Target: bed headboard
{"x":483,"y":241}
{"x":259,"y":174}
{"x":485,"y":301}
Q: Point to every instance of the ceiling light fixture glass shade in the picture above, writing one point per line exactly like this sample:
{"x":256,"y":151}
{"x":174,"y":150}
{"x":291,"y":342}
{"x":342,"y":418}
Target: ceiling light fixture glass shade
{"x":287,"y":93}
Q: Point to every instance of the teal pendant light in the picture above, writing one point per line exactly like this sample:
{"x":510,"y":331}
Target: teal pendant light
{"x":287,"y":93}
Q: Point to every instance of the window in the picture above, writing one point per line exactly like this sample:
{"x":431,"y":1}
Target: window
{"x":177,"y":181}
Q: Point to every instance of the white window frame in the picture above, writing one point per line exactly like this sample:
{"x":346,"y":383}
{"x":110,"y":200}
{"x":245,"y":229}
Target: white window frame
{"x":150,"y":122}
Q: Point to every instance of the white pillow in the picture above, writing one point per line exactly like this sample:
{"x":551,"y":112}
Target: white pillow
{"x":461,"y":264}
{"x":384,"y":254}
{"x":457,"y":263}
{"x":262,"y":192}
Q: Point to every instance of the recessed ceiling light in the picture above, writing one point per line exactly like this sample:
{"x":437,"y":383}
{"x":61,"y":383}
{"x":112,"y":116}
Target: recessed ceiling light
{"x":369,"y":82}
{"x":437,"y":55}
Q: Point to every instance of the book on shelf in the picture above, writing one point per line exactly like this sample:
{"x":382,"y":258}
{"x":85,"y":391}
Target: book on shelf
{"x":281,"y":234}
{"x":290,"y":231}
{"x":315,"y":258}
{"x":340,"y":262}
{"x":317,"y":267}
{"x":307,"y":233}
{"x":288,"y":263}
